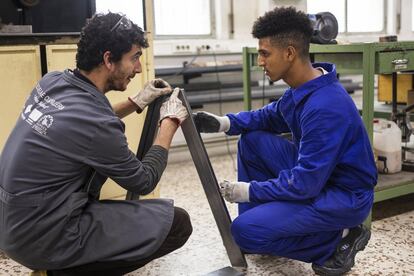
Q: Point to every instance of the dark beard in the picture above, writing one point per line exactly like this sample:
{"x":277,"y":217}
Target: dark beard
{"x":111,"y":85}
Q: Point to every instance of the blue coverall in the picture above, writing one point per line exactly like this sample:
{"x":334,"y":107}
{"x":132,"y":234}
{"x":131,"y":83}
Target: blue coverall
{"x":303,"y":192}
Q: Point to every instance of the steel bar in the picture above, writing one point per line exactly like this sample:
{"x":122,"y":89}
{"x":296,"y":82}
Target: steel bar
{"x":148,"y":134}
{"x":204,"y":170}
{"x":211,"y":188}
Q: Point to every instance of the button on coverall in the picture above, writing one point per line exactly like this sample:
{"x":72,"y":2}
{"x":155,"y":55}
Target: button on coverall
{"x":303,"y":192}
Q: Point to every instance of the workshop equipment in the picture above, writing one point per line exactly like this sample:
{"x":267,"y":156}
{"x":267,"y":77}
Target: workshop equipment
{"x":325,"y":28}
{"x":27,"y":3}
{"x":408,"y":151}
{"x":402,"y":119}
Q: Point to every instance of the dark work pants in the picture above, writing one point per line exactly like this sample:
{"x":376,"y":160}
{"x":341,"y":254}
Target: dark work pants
{"x":180,"y":231}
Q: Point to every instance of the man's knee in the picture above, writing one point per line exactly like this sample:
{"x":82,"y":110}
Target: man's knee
{"x":249,"y":237}
{"x":249,"y":138}
{"x":181,"y":227}
{"x":250,"y":144}
{"x":262,"y":141}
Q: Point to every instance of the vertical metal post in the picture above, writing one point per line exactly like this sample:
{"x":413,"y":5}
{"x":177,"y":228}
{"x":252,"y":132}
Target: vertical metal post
{"x":368,"y":59}
{"x":148,"y":134}
{"x":247,"y":89}
{"x":394,"y":97}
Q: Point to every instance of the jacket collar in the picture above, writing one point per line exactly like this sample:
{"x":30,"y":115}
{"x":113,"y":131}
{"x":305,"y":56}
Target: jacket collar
{"x":307,"y":88}
{"x":71,"y":78}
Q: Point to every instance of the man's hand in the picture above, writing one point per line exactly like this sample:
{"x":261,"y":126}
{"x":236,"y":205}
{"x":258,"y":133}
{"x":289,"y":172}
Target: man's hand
{"x":235,"y":191}
{"x":152,"y":90}
{"x":208,"y":123}
{"x":173,"y":108}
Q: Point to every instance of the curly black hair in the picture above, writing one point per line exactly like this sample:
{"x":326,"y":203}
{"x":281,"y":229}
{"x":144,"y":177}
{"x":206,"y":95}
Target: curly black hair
{"x":285,"y":26}
{"x":99,"y":36}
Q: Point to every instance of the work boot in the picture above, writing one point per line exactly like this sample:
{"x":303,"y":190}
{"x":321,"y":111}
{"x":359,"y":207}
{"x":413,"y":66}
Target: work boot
{"x":344,"y":257}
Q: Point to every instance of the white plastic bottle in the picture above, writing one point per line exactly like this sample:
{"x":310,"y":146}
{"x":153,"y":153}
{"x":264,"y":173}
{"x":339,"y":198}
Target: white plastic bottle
{"x":387,"y":146}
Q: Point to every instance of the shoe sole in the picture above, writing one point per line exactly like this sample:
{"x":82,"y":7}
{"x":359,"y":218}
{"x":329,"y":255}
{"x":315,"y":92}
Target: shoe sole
{"x":360,"y":245}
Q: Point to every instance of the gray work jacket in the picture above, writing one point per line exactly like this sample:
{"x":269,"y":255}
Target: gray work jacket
{"x":66,"y":143}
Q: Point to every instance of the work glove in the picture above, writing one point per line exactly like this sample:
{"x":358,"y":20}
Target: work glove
{"x":235,"y":191}
{"x":173,"y":108}
{"x":207,"y":122}
{"x":152,"y":90}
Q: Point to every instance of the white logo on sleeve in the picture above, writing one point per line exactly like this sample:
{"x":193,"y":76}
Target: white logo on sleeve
{"x":43,"y":124}
{"x":34,"y":116}
{"x":26,"y":110}
{"x":46,"y":121}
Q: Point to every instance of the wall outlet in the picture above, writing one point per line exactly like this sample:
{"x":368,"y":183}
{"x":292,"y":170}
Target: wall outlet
{"x":203,"y":48}
{"x":196,"y":48}
{"x":182,"y":48}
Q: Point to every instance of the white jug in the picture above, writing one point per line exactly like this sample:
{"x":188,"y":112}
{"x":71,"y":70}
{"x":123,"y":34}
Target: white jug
{"x":387,"y":146}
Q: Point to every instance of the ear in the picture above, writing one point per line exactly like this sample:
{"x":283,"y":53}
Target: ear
{"x":107,"y":60}
{"x":290,"y":53}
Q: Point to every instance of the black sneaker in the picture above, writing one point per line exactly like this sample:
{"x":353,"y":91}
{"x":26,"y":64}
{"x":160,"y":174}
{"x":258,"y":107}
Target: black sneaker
{"x":344,"y":257}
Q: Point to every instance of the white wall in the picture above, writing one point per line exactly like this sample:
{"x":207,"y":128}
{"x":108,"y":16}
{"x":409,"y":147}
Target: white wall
{"x":406,"y":32}
{"x":228,"y":47}
{"x":245,"y":12}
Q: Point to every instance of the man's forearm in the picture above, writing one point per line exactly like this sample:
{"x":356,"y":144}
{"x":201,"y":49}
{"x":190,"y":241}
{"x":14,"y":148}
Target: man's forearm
{"x":154,"y":162}
{"x":124,"y":108}
{"x":167,"y":130}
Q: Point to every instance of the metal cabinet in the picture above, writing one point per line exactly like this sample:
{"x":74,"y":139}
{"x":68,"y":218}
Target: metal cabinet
{"x":388,"y":62}
{"x":19,"y":72}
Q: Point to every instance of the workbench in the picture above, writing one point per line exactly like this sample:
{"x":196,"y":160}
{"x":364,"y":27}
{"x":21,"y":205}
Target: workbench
{"x":367,"y":59}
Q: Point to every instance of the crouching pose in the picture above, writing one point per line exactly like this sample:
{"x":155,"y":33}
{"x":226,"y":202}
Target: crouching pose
{"x":303,"y":199}
{"x":67,"y":141}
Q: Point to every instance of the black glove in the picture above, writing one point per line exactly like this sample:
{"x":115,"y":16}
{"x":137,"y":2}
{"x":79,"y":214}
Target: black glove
{"x":210,"y":123}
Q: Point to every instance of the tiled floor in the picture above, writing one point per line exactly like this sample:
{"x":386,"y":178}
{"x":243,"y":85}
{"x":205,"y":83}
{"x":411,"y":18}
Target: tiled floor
{"x":390,"y":251}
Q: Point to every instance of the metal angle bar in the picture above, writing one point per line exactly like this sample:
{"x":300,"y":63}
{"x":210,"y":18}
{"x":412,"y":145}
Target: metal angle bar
{"x":204,"y":169}
{"x":148,"y":134}
{"x":210,"y":185}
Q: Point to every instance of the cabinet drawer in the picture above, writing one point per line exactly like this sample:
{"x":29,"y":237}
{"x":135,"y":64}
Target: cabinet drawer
{"x":404,"y":84}
{"x":388,"y":62}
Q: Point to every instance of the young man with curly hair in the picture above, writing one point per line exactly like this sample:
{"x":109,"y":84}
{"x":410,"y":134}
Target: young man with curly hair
{"x":67,"y":142}
{"x":303,"y":199}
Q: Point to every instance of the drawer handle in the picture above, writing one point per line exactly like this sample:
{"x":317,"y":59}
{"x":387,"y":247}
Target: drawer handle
{"x":400,"y":61}
{"x":400,"y":64}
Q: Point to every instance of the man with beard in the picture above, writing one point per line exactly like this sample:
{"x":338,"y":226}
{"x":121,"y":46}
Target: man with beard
{"x":67,"y":142}
{"x":303,"y":199}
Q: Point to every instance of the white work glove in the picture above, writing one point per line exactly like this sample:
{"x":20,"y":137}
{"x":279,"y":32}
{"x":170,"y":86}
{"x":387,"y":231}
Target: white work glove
{"x":235,"y":191}
{"x":207,"y":122}
{"x":152,"y":90}
{"x":173,"y":108}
